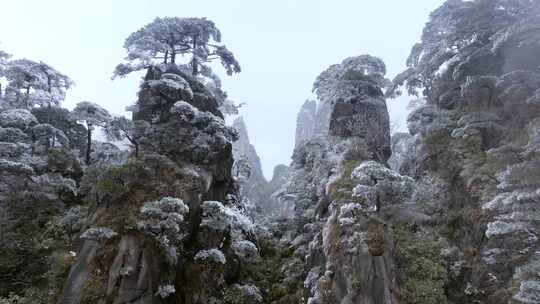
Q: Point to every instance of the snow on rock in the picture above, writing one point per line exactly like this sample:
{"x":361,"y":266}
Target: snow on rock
{"x":164,"y":291}
{"x":98,"y":234}
{"x":529,"y":292}
{"x":497,"y":228}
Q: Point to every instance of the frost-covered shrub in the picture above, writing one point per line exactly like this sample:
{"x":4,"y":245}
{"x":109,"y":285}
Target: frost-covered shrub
{"x":48,"y":136}
{"x":311,"y":285}
{"x":376,"y":184}
{"x":12,"y":135}
{"x":72,"y":221}
{"x":99,"y":234}
{"x":211,"y":127}
{"x":11,"y":167}
{"x":352,"y":77}
{"x":497,"y":228}
{"x":164,"y":291}
{"x":108,"y":153}
{"x":428,"y":120}
{"x":12,"y":150}
{"x":214,"y":256}
{"x":56,"y":183}
{"x":173,"y":86}
{"x":163,"y":221}
{"x":17,"y":118}
{"x":243,"y":294}
{"x":222,"y":219}
{"x":522,"y":175}
{"x":245,"y":250}
{"x":216,"y":216}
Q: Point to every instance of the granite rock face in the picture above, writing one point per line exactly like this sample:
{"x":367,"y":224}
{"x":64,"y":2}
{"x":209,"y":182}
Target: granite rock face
{"x":364,"y":117}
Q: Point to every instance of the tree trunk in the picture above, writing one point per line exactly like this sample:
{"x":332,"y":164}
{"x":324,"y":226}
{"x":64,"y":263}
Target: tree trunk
{"x":194,"y":67}
{"x":88,"y":144}
{"x":26,"y":101}
{"x":136,"y":144}
{"x":194,"y":63}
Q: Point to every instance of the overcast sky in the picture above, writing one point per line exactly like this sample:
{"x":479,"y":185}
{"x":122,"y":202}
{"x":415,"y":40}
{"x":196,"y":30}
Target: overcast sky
{"x":282,"y":46}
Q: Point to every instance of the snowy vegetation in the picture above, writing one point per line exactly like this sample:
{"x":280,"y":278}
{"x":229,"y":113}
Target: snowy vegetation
{"x":181,"y":212}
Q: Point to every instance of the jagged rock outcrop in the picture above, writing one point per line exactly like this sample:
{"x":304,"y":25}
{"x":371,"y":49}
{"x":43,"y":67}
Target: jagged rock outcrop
{"x":254,"y":189}
{"x":242,"y":148}
{"x":305,"y":122}
{"x":342,"y":201}
{"x":167,"y":225}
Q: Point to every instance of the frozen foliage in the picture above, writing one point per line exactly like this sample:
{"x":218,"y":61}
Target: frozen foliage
{"x":91,"y":114}
{"x":12,"y":135}
{"x":172,"y":85}
{"x":428,"y":120}
{"x":165,"y":209}
{"x":379,"y":185}
{"x":107,"y":153}
{"x":354,"y":75}
{"x":499,"y":227}
{"x":245,"y":250}
{"x":72,"y":220}
{"x":348,"y":212}
{"x":211,"y":130}
{"x":11,"y":167}
{"x":458,"y":32}
{"x":404,"y":148}
{"x":11,"y":150}
{"x":33,"y":83}
{"x":248,"y":294}
{"x":218,"y":217}
{"x":99,"y":234}
{"x":122,"y":128}
{"x":212,"y":255}
{"x":164,"y":220}
{"x":49,"y":136}
{"x":164,"y":291}
{"x":311,"y":284}
{"x":56,"y":182}
{"x":522,"y":175}
{"x":529,"y":292}
{"x":168,"y":39}
{"x":17,"y":118}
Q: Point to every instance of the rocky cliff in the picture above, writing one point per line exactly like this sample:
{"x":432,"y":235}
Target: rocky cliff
{"x":444,"y":213}
{"x":166,"y":226}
